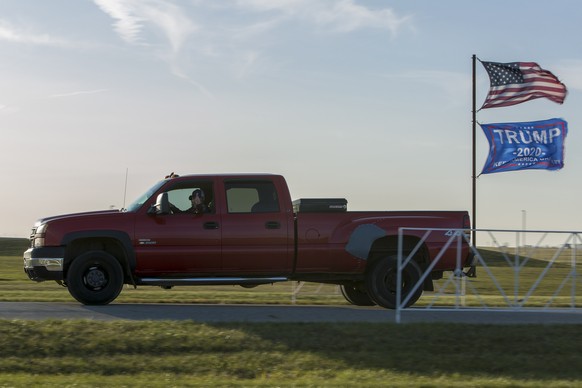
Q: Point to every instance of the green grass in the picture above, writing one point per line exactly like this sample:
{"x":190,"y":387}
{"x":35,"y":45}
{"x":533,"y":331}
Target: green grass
{"x":82,"y":353}
{"x":13,"y":246}
{"x":16,"y":287}
{"x":61,"y":353}
{"x":500,"y":285}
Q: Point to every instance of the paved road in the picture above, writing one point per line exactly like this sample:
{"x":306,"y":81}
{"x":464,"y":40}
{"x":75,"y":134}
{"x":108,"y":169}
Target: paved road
{"x":270,"y":313}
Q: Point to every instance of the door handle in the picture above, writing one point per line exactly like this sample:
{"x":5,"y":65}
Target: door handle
{"x":272,"y":225}
{"x":210,"y":225}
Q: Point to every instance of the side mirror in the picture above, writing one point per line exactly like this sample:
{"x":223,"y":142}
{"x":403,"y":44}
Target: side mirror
{"x":162,"y":205}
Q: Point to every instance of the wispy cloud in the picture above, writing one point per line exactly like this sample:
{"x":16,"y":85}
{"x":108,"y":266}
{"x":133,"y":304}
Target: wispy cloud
{"x":336,"y":16}
{"x":131,"y":17}
{"x":252,"y":30}
{"x":347,"y":16}
{"x":77,"y":93}
{"x":128,"y":25}
{"x":207,"y":31}
{"x":261,"y":17}
{"x":175,"y":22}
{"x":13,"y":34}
{"x":248,"y":60}
{"x":9,"y":109}
{"x":180,"y":74}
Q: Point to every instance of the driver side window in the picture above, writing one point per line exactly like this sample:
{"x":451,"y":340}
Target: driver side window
{"x":192,"y":198}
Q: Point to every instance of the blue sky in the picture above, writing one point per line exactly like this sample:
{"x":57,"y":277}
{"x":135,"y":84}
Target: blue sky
{"x":367,"y":100}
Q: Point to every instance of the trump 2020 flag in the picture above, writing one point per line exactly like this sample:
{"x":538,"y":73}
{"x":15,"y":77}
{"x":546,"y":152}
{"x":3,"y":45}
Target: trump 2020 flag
{"x":517,"y":82}
{"x":525,"y":146}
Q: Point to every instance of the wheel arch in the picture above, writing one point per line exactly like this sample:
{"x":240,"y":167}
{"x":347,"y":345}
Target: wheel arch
{"x":116,"y":243}
{"x":371,"y":243}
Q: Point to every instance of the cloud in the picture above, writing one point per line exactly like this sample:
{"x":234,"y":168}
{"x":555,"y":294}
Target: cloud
{"x":127,"y":25}
{"x":336,"y":16}
{"x":71,"y":94}
{"x":136,"y":19}
{"x":233,"y":33}
{"x":256,"y":29}
{"x":346,"y":16}
{"x":258,"y":18}
{"x":20,"y":35}
{"x":131,"y":17}
{"x":180,"y":74}
{"x":9,"y":109}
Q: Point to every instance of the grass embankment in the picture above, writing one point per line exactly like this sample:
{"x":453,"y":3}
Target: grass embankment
{"x":81,"y":353}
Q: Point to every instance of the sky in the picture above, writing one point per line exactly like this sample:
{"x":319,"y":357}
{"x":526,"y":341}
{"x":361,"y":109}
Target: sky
{"x":363,"y":99}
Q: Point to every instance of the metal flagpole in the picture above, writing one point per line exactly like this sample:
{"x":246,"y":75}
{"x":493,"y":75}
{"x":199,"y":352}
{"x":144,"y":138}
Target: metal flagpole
{"x":474,"y":174}
{"x":472,"y":271}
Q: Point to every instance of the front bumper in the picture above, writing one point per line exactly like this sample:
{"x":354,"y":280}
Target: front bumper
{"x":44,"y":263}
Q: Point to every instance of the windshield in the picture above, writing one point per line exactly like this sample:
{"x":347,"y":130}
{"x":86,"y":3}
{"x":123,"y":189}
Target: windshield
{"x":144,"y":197}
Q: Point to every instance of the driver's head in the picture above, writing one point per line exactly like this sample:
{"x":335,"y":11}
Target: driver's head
{"x":197,"y":196}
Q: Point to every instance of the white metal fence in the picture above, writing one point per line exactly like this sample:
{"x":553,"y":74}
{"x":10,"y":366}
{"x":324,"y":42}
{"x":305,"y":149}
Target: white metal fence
{"x":319,"y":290}
{"x":509,"y":274}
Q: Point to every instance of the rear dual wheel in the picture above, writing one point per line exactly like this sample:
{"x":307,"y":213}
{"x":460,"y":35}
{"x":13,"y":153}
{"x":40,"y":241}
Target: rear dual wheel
{"x":356,"y":294}
{"x":381,"y":282}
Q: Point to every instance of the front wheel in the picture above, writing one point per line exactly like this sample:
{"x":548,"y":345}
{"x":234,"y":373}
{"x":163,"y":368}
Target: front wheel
{"x":381,"y":282}
{"x":356,"y":294}
{"x":95,"y":278}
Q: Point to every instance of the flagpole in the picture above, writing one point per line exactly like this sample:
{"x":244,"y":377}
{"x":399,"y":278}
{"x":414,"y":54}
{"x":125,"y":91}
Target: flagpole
{"x":474,"y":174}
{"x":472,"y":272}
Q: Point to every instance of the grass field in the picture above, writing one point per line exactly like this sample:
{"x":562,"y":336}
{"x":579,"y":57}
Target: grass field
{"x":500,"y":284}
{"x":80,"y":353}
{"x":167,"y":353}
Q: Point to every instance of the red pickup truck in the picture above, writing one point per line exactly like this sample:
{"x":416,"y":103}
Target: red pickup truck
{"x":240,"y":229}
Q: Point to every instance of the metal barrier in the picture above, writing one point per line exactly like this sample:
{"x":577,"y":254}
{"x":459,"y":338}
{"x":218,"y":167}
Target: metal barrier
{"x":313,"y":289}
{"x":509,"y":276}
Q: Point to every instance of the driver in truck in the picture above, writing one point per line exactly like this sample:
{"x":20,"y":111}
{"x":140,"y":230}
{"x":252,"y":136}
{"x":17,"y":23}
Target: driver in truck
{"x":197,"y":199}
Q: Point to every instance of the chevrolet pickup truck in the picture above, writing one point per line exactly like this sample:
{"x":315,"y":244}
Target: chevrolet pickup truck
{"x":240,"y":229}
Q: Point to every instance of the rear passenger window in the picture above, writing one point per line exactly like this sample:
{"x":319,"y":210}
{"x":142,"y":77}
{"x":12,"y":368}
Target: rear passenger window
{"x":251,"y":197}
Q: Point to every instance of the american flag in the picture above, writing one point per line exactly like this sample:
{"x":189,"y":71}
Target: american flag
{"x":517,"y":82}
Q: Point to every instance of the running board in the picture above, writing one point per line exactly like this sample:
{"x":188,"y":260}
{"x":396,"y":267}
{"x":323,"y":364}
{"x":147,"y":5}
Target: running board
{"x":207,"y":281}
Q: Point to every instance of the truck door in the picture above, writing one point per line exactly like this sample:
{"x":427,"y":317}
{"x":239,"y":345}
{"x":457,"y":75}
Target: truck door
{"x":256,"y":235}
{"x":186,"y":241}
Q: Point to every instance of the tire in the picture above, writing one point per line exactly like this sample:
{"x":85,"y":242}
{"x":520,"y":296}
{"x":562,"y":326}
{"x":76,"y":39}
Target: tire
{"x":95,"y":278}
{"x":381,"y":280}
{"x":356,"y":294}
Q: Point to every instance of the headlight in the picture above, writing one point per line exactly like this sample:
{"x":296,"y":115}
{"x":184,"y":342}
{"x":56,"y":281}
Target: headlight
{"x":38,"y":237}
